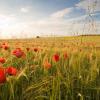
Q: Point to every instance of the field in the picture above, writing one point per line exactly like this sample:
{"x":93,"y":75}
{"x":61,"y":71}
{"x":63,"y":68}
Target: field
{"x":55,"y":68}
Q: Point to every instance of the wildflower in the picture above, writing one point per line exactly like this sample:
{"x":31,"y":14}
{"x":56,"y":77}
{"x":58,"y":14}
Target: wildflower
{"x":27,"y":49}
{"x":55,"y":57}
{"x":46,"y":64}
{"x":2,"y":60}
{"x":5,"y":46}
{"x":35,"y":49}
{"x":65,"y":55}
{"x":2,"y":75}
{"x":18,"y":53}
{"x":11,"y":70}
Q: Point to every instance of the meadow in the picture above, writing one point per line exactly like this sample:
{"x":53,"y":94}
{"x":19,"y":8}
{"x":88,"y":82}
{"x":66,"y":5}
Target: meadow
{"x":55,"y":68}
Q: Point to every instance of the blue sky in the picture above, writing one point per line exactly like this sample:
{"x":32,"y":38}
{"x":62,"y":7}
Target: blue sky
{"x":28,"y":18}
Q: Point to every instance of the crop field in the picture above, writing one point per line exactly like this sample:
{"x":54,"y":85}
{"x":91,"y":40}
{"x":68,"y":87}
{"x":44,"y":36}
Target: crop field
{"x":50,"y":68}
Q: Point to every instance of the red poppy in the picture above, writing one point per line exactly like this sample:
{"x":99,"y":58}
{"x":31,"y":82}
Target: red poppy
{"x":11,"y":70}
{"x":55,"y":57}
{"x":35,"y":49}
{"x":65,"y":55}
{"x":18,"y":53}
{"x":2,"y":60}
{"x":5,"y":46}
{"x":46,"y":65}
{"x":27,"y":49}
{"x":2,"y":75}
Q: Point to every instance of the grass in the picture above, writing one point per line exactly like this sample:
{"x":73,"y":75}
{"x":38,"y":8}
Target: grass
{"x":76,"y":77}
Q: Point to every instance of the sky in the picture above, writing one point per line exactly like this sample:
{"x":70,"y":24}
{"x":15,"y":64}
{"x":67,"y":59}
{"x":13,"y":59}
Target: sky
{"x":30,"y":18}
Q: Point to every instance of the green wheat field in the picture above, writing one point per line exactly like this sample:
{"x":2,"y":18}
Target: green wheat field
{"x":59,"y":68}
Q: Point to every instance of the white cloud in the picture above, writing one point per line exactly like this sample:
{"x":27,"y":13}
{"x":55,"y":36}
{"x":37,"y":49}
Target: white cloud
{"x":89,"y":5}
{"x":24,"y":9}
{"x":6,"y":20}
{"x":55,"y":24}
{"x":62,"y":13}
{"x":47,"y":27}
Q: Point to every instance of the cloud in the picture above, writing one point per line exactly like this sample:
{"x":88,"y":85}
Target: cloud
{"x":62,"y":13}
{"x":47,"y":26}
{"x":6,"y":20}
{"x":13,"y":27}
{"x":24,"y":10}
{"x":63,"y":26}
{"x":89,"y":5}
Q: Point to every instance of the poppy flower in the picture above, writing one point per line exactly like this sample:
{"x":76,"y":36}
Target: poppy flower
{"x":46,"y":65}
{"x":55,"y":57}
{"x":6,"y":47}
{"x":2,"y":75}
{"x":2,"y":60}
{"x":65,"y":55}
{"x":35,"y":49}
{"x":27,"y":49}
{"x":11,"y":70}
{"x":18,"y":53}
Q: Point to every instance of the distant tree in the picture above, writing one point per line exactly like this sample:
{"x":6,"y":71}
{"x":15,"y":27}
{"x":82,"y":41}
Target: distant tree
{"x":37,"y":36}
